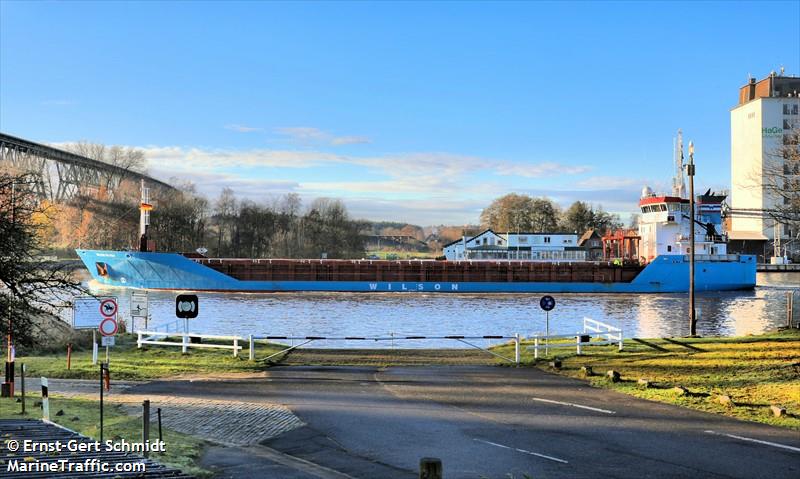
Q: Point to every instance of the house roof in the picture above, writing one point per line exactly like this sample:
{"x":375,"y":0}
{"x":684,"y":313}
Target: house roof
{"x":587,"y":236}
{"x":489,"y":230}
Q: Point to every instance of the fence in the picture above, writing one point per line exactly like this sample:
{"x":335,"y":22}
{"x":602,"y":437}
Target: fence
{"x":159,"y":337}
{"x":591,"y":328}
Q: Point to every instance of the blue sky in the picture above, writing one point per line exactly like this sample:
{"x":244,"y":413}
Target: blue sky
{"x":419,"y":112}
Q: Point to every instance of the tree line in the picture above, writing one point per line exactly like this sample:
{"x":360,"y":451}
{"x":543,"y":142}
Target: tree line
{"x":515,"y":212}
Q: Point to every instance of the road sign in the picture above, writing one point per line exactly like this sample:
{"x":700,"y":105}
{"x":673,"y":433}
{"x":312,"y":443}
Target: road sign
{"x":108,"y":307}
{"x":108,"y":340}
{"x":547,"y":303}
{"x":86,"y":311}
{"x":108,"y":327}
{"x":139,"y":304}
{"x":187,"y":306}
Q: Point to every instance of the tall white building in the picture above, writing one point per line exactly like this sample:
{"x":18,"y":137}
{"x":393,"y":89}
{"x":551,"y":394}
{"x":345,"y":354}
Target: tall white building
{"x":760,"y":123}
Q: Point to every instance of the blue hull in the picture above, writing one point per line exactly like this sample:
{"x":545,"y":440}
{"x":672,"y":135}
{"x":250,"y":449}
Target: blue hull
{"x":170,"y":271}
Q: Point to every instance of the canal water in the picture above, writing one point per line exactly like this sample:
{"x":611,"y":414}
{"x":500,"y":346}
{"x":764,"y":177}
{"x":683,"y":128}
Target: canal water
{"x":411,"y":314}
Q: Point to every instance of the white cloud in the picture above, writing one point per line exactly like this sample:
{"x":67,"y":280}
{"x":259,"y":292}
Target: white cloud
{"x":311,"y":135}
{"x":350,"y":140}
{"x":243,"y":128}
{"x":538,"y":170}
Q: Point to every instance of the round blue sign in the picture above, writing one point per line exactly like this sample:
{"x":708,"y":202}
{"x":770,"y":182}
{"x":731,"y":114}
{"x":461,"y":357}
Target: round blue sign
{"x":547,"y":303}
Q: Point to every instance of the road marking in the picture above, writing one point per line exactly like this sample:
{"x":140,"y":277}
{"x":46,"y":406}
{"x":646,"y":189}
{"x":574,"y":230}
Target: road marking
{"x":597,"y":409}
{"x":523,"y":451}
{"x":766,"y":443}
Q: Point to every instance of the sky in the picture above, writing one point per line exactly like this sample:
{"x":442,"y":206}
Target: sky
{"x":420,"y":112}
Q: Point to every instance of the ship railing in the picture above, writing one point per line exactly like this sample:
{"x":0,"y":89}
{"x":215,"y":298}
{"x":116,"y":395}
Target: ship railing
{"x":605,"y":334}
{"x":158,"y":338}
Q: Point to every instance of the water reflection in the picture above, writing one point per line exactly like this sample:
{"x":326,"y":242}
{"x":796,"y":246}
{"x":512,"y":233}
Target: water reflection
{"x":384,"y":314}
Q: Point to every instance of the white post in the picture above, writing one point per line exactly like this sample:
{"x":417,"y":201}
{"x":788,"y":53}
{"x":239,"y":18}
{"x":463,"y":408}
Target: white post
{"x":547,"y":334}
{"x":536,"y":347}
{"x":516,"y":348}
{"x":185,"y":347}
{"x":94,"y":347}
{"x":578,"y":342}
{"x":252,"y":349}
{"x":139,"y":339}
{"x":236,"y":346}
{"x":620,"y":339}
{"x":45,"y":400}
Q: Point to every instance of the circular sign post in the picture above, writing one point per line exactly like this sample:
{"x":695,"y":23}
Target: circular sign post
{"x":547,"y":303}
{"x":108,"y":327}
{"x":108,"y":307}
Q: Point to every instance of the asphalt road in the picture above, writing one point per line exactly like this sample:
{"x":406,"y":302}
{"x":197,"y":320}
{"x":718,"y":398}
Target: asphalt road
{"x":488,"y":422}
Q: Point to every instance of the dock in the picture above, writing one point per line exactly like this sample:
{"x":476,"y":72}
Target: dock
{"x":778,"y":268}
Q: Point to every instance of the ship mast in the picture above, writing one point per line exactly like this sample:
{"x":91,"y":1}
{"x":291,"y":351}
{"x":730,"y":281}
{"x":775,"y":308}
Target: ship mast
{"x":678,"y":181}
{"x":144,"y":217}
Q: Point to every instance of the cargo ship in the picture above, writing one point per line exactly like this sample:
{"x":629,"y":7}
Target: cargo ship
{"x":656,"y":260}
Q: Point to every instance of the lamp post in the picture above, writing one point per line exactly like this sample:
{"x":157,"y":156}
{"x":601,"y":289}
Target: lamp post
{"x":8,"y":384}
{"x":690,"y":174}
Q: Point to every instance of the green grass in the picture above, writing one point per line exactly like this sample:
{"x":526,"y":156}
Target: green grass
{"x":152,"y":362}
{"x":82,"y":415}
{"x":755,"y":371}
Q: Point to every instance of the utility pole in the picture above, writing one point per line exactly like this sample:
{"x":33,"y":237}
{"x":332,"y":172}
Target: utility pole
{"x":8,"y":384}
{"x":690,"y":173}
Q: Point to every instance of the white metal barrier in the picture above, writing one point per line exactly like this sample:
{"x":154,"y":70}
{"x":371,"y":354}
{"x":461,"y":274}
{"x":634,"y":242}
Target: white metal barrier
{"x":591,"y":328}
{"x":463,"y":339}
{"x":185,"y":343}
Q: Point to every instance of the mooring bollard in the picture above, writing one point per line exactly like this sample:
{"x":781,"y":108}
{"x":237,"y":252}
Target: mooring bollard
{"x":430,"y":468}
{"x":145,"y":425}
{"x":252,"y":349}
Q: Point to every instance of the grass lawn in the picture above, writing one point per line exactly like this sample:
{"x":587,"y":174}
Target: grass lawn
{"x":755,"y":371}
{"x":151,"y":362}
{"x":83,"y":416}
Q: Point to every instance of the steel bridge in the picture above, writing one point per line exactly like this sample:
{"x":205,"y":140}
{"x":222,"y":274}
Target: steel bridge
{"x":62,"y":175}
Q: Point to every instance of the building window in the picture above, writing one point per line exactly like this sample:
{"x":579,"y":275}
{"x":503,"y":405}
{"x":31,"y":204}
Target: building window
{"x":669,"y":248}
{"x":485,"y":241}
{"x":546,"y":239}
{"x":790,"y":109}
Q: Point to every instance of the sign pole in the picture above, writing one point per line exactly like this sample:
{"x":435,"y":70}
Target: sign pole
{"x":547,"y":333}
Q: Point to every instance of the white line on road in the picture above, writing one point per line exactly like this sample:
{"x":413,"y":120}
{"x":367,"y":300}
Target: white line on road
{"x":523,"y":451}
{"x":766,"y":443}
{"x":605,"y":411}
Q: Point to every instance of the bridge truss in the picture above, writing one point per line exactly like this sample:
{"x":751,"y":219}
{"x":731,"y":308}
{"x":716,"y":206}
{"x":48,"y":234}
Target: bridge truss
{"x":62,"y":175}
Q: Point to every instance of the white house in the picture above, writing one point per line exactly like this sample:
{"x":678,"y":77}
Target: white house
{"x":489,"y":245}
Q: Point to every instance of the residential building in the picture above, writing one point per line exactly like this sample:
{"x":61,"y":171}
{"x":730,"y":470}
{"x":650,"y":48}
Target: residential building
{"x":522,"y":246}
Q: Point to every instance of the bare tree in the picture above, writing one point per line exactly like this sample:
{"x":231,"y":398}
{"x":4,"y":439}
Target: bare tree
{"x":29,"y":287}
{"x":781,"y":180}
{"x":124,"y":158}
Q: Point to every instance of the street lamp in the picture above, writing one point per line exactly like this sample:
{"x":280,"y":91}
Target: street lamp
{"x":8,"y":384}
